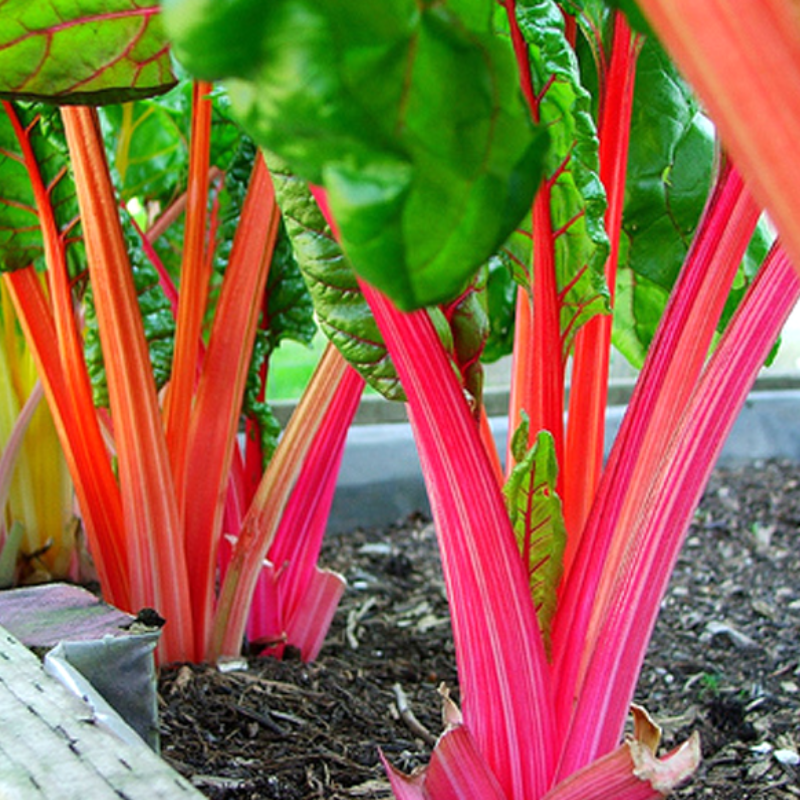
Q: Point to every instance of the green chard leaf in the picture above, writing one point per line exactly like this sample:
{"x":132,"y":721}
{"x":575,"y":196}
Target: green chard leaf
{"x":468,"y":329}
{"x":537,"y":520}
{"x":670,"y":169}
{"x":146,"y":144}
{"x":288,"y":314}
{"x":21,"y":241}
{"x":669,"y":174}
{"x":408,"y":114}
{"x":571,"y":172}
{"x":289,"y":310}
{"x":253,"y":407}
{"x":342,"y":311}
{"x":501,"y":297}
{"x":84,"y":52}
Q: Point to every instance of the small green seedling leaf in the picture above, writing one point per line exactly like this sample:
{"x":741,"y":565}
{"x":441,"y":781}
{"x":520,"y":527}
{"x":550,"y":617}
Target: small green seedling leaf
{"x":537,"y":519}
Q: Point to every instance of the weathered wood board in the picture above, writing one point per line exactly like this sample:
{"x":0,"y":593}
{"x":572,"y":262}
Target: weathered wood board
{"x":51,"y":747}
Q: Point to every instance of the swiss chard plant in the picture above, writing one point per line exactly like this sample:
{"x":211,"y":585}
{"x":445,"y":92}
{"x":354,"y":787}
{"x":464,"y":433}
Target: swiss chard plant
{"x":145,"y":258}
{"x":436,"y":137}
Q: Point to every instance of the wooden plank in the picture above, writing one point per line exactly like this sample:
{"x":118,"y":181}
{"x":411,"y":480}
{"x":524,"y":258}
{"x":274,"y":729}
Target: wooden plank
{"x":42,"y":616}
{"x":52,"y":747}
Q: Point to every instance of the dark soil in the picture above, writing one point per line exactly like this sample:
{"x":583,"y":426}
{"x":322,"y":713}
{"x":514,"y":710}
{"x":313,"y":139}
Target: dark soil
{"x":724,"y":660}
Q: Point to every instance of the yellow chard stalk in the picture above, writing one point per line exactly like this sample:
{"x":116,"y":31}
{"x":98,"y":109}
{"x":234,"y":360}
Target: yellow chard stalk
{"x":40,"y":490}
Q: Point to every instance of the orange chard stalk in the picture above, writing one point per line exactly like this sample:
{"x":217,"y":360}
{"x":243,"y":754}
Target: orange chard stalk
{"x":583,"y":460}
{"x":212,"y":427}
{"x":156,"y":547}
{"x":195,"y":277}
{"x":743,"y":59}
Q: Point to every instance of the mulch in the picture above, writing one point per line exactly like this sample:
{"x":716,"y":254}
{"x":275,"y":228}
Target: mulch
{"x":724,"y":661}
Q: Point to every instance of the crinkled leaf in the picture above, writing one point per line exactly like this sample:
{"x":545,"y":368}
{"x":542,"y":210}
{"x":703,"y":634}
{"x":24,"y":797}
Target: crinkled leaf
{"x":82,"y":51}
{"x":289,"y":314}
{"x":253,"y":407}
{"x":21,"y":241}
{"x":501,"y":295}
{"x":342,"y":311}
{"x":468,"y":322}
{"x":576,"y":196}
{"x":537,"y":519}
{"x":593,"y":44}
{"x":669,"y":175}
{"x":409,"y":114}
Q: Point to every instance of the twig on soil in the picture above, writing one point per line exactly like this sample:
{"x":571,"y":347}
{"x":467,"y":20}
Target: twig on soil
{"x":355,"y":616}
{"x":261,"y":719}
{"x":407,"y":715}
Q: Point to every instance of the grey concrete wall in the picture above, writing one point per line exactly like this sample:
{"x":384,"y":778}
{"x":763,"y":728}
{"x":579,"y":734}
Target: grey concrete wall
{"x":381,"y":482}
